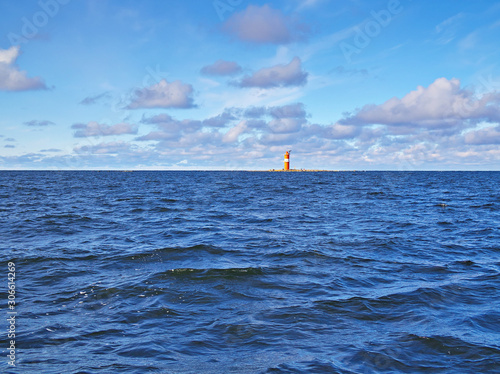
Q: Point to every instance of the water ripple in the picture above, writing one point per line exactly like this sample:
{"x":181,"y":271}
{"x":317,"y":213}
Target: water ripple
{"x":215,"y":272}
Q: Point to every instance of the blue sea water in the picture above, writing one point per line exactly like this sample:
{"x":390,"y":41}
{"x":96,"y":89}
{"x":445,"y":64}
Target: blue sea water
{"x":252,"y":272}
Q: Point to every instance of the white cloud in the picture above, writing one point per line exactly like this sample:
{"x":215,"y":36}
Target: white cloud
{"x":264,"y":25}
{"x":163,"y":95}
{"x":96,"y":129}
{"x":9,"y":56}
{"x":91,"y":100}
{"x":488,"y":135}
{"x":39,"y":123}
{"x":288,"y":111}
{"x":104,"y":148}
{"x":441,"y":105}
{"x":339,"y":131}
{"x":286,"y":125}
{"x":232,"y":135}
{"x":222,"y":68}
{"x":227,"y":127}
{"x":277,"y":76}
{"x":13,"y":79}
{"x":220,"y":120}
{"x":169,"y":127}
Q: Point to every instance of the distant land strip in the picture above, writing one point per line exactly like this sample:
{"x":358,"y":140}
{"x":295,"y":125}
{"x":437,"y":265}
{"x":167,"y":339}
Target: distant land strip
{"x":304,"y":170}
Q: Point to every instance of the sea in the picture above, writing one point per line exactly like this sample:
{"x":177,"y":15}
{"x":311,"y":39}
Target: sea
{"x":250,"y":272}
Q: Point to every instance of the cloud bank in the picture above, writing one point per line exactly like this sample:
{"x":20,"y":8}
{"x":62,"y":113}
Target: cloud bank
{"x":441,"y":125}
{"x":96,"y":129}
{"x":485,"y":136}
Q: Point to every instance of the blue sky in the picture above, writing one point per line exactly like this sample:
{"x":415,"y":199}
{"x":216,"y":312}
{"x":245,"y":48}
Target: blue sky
{"x":233,"y":84}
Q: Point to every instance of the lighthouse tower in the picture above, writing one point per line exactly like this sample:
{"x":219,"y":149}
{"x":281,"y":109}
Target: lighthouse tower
{"x":287,"y":160}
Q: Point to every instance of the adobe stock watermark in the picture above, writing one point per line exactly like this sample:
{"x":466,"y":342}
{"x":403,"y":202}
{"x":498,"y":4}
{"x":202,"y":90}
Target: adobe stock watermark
{"x":370,"y":29}
{"x":31,"y":26}
{"x":11,"y":314}
{"x":487,"y":85}
{"x":222,"y":7}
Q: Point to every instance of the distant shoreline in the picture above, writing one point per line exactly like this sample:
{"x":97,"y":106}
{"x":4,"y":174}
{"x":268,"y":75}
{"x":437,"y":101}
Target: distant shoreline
{"x":240,"y":170}
{"x":305,"y":170}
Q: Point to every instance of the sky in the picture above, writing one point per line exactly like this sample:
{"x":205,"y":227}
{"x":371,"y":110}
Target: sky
{"x":233,"y":84}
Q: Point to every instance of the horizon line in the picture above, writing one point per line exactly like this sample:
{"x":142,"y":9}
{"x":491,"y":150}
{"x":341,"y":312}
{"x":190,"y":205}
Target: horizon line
{"x":260,"y":171}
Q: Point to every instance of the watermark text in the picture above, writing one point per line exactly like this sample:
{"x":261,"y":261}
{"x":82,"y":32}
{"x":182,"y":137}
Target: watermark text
{"x":11,"y":314}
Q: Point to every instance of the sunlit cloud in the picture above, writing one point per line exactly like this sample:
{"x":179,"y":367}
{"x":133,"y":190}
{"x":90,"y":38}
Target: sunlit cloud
{"x":13,"y":79}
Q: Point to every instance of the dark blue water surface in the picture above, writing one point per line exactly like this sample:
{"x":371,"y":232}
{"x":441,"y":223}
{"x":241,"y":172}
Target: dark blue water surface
{"x":253,"y":272}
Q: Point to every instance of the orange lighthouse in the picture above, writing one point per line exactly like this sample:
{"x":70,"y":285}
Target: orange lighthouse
{"x":287,"y":160}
